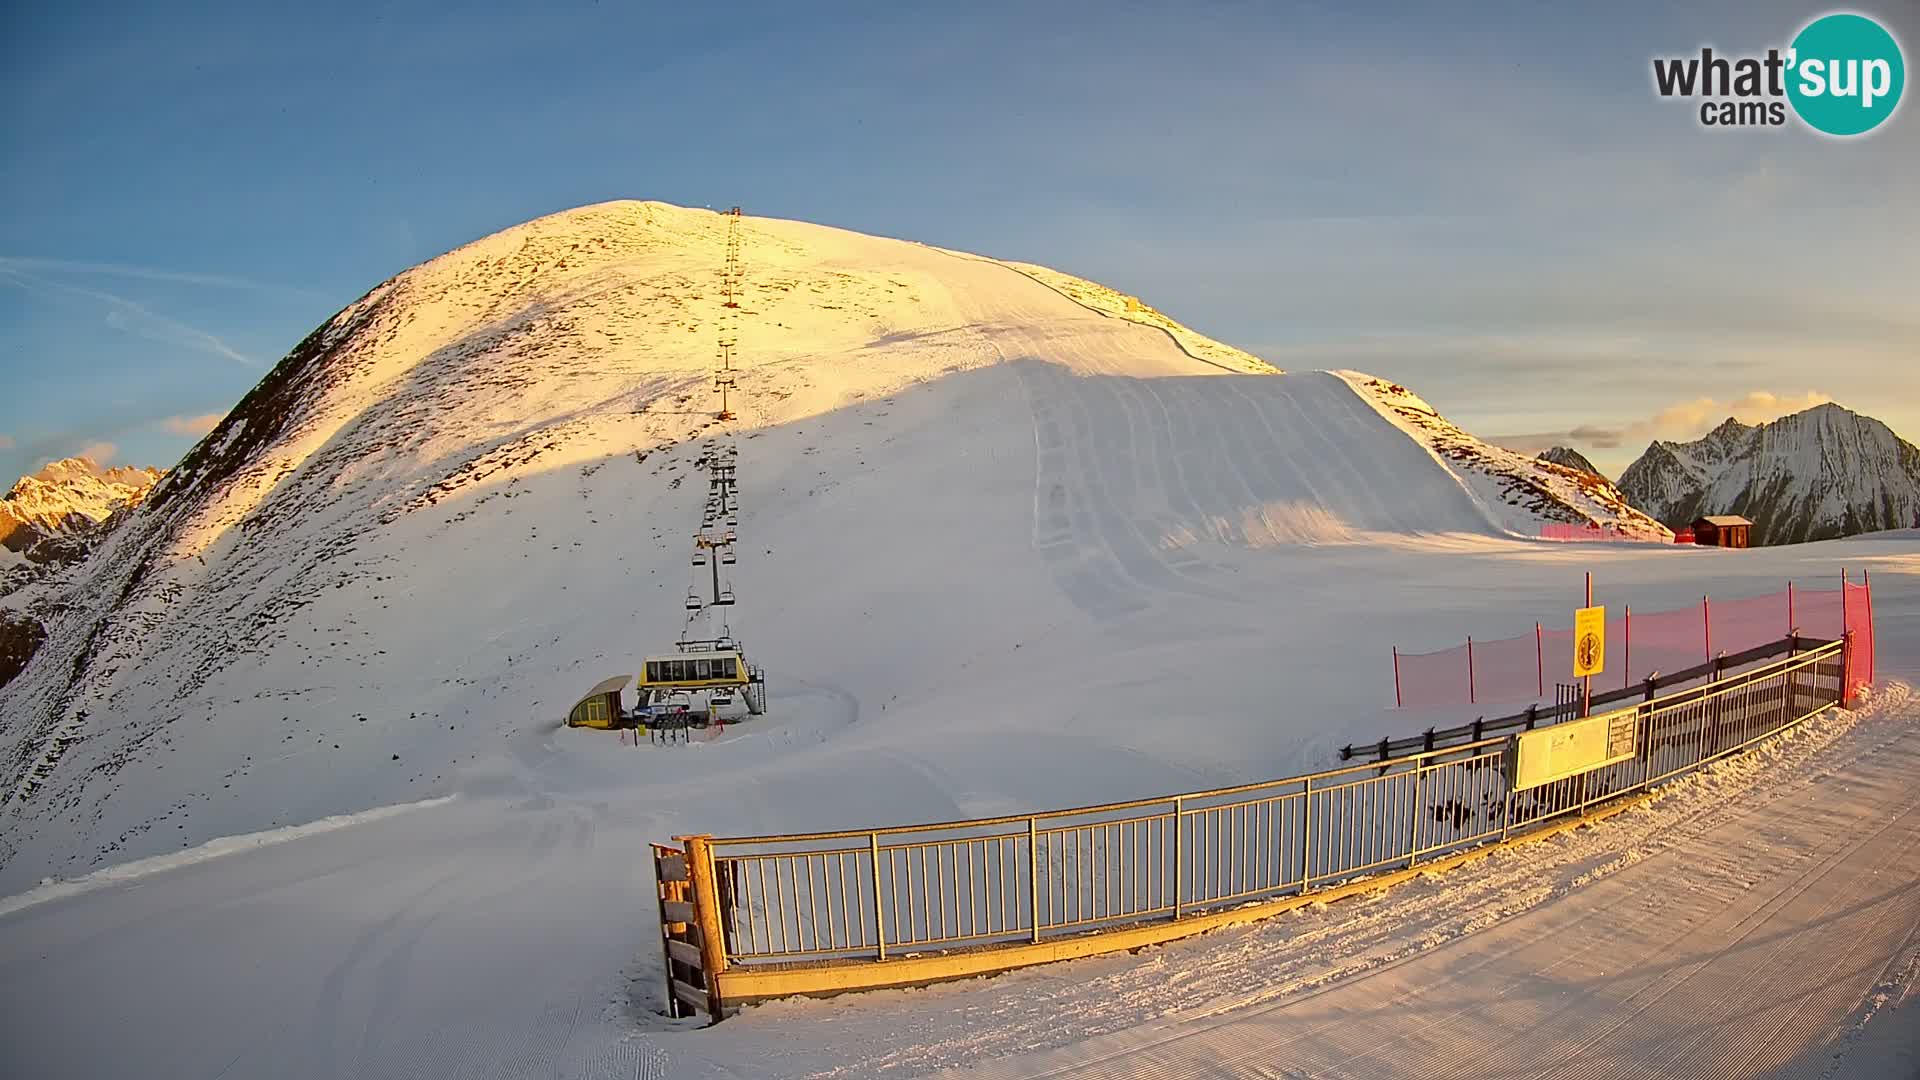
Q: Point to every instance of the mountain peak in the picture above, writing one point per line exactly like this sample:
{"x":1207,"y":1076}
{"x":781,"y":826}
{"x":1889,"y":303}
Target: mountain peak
{"x":1822,"y":472}
{"x":1571,"y":458}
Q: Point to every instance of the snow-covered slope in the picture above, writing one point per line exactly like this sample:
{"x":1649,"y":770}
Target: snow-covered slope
{"x":1514,"y":488}
{"x":467,"y":498}
{"x":1814,"y":475}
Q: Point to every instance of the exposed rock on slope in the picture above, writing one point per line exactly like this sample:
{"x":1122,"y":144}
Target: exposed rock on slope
{"x":1516,"y":489}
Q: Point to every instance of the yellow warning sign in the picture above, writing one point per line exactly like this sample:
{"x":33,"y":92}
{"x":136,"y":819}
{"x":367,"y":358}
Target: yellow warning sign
{"x":1589,"y":641}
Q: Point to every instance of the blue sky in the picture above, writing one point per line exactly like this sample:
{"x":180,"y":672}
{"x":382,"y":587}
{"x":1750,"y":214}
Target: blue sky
{"x":1487,"y":204}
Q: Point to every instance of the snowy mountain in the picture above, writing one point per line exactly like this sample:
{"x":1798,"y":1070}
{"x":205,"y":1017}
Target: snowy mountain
{"x":1571,"y":458}
{"x":49,"y":522}
{"x":467,"y":497}
{"x":1814,"y":475}
{"x":68,"y":498}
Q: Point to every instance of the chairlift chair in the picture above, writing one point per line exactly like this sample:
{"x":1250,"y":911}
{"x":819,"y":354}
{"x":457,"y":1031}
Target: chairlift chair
{"x":726,"y":556}
{"x":725,"y":598}
{"x":693,"y":600}
{"x":699,"y":558}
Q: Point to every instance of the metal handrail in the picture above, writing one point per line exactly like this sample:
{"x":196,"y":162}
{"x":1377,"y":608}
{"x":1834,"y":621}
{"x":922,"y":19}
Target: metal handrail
{"x":979,"y":884}
{"x":1822,"y":649}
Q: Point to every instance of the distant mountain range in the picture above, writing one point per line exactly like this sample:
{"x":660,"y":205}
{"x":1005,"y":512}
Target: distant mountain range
{"x":50,"y":521}
{"x":1814,"y":475}
{"x":46,"y":516}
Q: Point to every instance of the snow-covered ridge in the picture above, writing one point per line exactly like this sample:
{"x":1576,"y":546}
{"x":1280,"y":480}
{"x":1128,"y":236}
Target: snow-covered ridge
{"x":1817,"y":474}
{"x":1120,"y":305}
{"x":1515,"y":488}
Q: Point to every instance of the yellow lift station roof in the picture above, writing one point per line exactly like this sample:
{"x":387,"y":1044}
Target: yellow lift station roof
{"x":606,"y":686}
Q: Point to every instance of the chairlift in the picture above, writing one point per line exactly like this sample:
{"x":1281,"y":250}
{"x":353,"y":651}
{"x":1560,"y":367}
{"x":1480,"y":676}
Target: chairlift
{"x":726,"y":556}
{"x":725,"y":598}
{"x":699,"y":558}
{"x":693,"y":600}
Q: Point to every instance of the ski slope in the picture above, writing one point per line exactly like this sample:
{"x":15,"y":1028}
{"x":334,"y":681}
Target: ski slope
{"x":466,"y":499}
{"x":495,"y":935}
{"x":288,"y":790}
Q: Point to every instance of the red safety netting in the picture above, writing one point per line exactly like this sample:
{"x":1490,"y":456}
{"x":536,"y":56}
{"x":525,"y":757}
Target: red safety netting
{"x":1858,"y":600}
{"x":1739,"y":625}
{"x":1521,"y":669}
{"x":1435,"y":678}
{"x":1507,"y":670}
{"x":1817,"y":613}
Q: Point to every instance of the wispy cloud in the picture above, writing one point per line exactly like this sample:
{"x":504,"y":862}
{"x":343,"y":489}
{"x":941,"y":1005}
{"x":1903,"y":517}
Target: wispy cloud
{"x":100,"y":452}
{"x":1680,"y":421}
{"x":33,"y":264}
{"x":129,"y":317}
{"x":193,"y":426}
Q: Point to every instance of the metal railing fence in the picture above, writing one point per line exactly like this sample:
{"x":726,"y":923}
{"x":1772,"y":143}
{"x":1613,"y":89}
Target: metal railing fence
{"x":993,"y":882}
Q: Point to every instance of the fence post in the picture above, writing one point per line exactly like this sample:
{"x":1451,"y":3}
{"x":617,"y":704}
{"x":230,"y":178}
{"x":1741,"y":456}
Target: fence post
{"x":1706,"y":623}
{"x":1506,"y":813}
{"x":1385,"y":750}
{"x":1846,"y":651}
{"x":1539,"y":662}
{"x":1652,"y":677}
{"x":1178,"y":873}
{"x":1790,"y":623}
{"x":1033,"y":874}
{"x":879,"y":909}
{"x":1626,"y":666}
{"x":1471,"y":699}
{"x":1397,"y":703}
{"x":1306,"y":835}
{"x":1846,"y":668}
{"x":706,"y":912}
{"x":1873,"y":646}
{"x":1532,"y":710}
{"x":1413,"y":832}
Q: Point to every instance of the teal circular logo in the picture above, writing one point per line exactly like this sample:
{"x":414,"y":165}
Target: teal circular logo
{"x":1845,"y":74}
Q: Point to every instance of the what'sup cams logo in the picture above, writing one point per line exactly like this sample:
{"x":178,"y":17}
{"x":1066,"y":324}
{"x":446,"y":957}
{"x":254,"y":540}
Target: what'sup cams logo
{"x":1842,"y":75}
